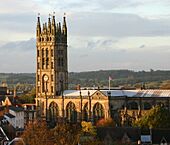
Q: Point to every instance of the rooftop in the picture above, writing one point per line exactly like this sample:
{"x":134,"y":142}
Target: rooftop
{"x":120,"y":93}
{"x":16,"y":109}
{"x":10,"y":115}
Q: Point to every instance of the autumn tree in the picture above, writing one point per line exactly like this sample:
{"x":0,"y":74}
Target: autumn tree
{"x":66,"y":134}
{"x":88,"y":128}
{"x":109,"y":122}
{"x":37,"y":133}
{"x":157,"y":117}
{"x":88,"y":136}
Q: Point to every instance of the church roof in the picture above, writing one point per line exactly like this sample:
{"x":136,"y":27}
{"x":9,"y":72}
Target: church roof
{"x":120,"y":93}
{"x":77,"y":92}
{"x":139,"y":93}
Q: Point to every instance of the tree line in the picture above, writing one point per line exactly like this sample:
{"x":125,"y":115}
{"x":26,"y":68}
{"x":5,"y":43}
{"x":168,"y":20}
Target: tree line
{"x":152,"y":79}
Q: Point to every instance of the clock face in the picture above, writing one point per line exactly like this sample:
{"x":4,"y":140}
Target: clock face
{"x":45,"y":78}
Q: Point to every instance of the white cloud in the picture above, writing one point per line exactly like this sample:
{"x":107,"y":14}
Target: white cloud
{"x":110,"y":34}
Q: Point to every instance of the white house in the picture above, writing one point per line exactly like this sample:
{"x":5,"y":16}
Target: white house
{"x":15,"y":117}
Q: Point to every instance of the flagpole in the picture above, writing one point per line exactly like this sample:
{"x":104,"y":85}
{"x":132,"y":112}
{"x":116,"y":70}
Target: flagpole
{"x":109,"y":83}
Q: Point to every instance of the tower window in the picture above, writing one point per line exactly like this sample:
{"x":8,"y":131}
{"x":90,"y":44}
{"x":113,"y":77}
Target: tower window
{"x":59,"y":62}
{"x":38,"y":77}
{"x":38,"y":65}
{"x":46,"y":52}
{"x":62,"y":62}
{"x":38,"y":89}
{"x":43,"y":62}
{"x":38,"y":53}
{"x":47,"y":62}
{"x":42,"y":52}
{"x":52,"y":89}
{"x":51,"y":52}
{"x":52,"y":77}
{"x":52,"y":65}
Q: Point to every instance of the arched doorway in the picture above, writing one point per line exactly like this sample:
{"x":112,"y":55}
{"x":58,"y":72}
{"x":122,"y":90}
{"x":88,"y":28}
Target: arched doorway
{"x":71,"y":112}
{"x":53,"y":111}
{"x":85,"y":112}
{"x":98,"y":112}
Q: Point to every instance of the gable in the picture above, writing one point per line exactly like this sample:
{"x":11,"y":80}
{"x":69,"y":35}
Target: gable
{"x":99,"y":96}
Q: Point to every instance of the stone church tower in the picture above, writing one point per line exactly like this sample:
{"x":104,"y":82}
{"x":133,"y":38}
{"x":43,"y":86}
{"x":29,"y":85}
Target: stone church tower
{"x":52,"y":69}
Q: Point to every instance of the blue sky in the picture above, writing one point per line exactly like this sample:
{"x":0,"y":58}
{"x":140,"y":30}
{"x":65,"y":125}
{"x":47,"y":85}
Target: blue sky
{"x":107,"y":34}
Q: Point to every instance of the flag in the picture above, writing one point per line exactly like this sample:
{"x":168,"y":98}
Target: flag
{"x":110,"y":78}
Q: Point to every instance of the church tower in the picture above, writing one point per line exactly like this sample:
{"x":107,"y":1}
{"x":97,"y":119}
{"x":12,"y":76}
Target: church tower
{"x":52,"y":69}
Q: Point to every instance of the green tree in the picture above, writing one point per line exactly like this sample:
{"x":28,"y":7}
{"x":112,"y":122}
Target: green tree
{"x":157,"y":117}
{"x":28,"y":97}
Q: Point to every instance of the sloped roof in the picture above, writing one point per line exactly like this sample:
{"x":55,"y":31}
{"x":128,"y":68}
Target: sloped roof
{"x":159,"y":134}
{"x":77,"y":92}
{"x":10,"y":115}
{"x":120,"y":93}
{"x":16,"y":109}
{"x":117,"y":133}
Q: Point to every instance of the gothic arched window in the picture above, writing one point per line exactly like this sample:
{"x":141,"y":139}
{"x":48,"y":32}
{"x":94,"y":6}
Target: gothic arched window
{"x":85,"y":112}
{"x":53,"y":111}
{"x":98,"y":112}
{"x":71,"y":112}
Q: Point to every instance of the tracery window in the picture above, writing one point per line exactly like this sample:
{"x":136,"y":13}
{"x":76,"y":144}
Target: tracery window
{"x":98,"y":112}
{"x":53,"y":111}
{"x":85,"y":112}
{"x":71,"y":112}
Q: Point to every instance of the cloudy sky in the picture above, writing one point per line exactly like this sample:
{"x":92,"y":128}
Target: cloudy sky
{"x":107,"y":34}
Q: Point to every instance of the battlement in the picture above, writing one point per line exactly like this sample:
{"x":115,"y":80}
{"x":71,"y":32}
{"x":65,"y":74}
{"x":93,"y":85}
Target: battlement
{"x":51,"y":31}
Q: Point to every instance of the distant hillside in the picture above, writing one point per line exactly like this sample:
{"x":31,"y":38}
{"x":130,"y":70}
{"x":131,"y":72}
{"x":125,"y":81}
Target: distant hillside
{"x":153,"y":79}
{"x":14,"y":78}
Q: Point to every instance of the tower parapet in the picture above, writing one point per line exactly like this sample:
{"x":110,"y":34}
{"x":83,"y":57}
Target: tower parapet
{"x":52,"y":30}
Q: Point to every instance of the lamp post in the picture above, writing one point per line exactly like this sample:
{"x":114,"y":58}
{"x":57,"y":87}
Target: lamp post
{"x":81,"y":104}
{"x":62,"y":93}
{"x":90,"y":117}
{"x":46,"y":90}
